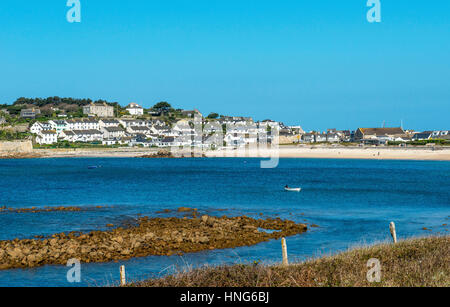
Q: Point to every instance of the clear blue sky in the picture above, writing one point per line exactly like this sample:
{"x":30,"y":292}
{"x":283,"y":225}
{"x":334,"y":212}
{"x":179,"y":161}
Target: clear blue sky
{"x":317,"y":63}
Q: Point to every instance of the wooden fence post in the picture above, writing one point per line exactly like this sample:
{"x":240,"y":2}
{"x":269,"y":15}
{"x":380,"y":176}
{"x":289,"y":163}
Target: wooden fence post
{"x":393,"y":232}
{"x":123,"y":280}
{"x":285,"y":255}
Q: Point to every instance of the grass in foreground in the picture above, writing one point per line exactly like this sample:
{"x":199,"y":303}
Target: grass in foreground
{"x":412,"y":263}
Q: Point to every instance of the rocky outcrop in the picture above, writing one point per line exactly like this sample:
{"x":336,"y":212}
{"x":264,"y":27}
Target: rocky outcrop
{"x":175,"y":154}
{"x":147,"y":237}
{"x":19,"y":155}
{"x":160,"y":154}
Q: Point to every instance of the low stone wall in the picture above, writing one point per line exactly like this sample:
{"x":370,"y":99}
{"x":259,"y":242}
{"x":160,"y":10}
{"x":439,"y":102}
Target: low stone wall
{"x":16,"y":147}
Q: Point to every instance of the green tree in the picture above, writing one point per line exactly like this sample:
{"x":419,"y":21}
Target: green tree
{"x":213,"y":116}
{"x":163,"y":107}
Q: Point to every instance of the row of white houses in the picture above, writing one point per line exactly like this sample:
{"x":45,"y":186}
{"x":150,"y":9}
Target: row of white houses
{"x":430,"y":135}
{"x":154,"y":133}
{"x":90,"y":124}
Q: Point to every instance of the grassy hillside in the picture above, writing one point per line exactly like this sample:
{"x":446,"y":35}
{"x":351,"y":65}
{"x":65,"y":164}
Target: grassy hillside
{"x":413,"y":263}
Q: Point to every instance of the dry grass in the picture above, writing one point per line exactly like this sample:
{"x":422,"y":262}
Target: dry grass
{"x":413,"y":263}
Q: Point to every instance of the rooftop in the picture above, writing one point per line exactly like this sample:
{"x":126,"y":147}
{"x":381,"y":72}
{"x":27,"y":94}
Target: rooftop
{"x":48,"y":132}
{"x":382,"y":131}
{"x":113,"y":129}
{"x":87,"y":132}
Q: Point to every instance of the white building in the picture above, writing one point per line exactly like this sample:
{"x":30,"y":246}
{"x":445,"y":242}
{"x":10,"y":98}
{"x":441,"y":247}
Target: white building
{"x":127,"y":123}
{"x":110,"y":142}
{"x":269,"y":124}
{"x":135,"y":109}
{"x":235,"y":140}
{"x":162,"y":130}
{"x":238,"y":135}
{"x":47,"y":137}
{"x":297,"y":129}
{"x":440,"y":134}
{"x":333,"y":138}
{"x":235,"y":120}
{"x":192,"y":113}
{"x":155,"y":122}
{"x":82,"y":124}
{"x":108,"y":123}
{"x":321,"y":137}
{"x":213,"y":141}
{"x":58,"y":125}
{"x":99,"y":109}
{"x":139,"y":130}
{"x":68,"y":135}
{"x":37,"y":127}
{"x":82,"y":135}
{"x":168,"y":142}
{"x":212,"y":127}
{"x":112,"y":132}
{"x":184,"y":128}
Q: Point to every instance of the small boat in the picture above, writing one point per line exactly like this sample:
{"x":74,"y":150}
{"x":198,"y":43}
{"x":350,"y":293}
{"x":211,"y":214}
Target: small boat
{"x":292,"y":189}
{"x":93,"y":167}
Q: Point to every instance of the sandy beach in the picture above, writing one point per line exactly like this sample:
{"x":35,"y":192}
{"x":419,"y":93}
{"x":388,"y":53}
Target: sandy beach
{"x":372,"y":153}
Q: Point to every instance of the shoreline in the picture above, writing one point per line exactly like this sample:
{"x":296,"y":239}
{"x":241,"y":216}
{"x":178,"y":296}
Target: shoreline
{"x":290,"y":151}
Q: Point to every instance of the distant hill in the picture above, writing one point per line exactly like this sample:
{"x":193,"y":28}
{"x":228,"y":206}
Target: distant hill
{"x":58,"y":101}
{"x":51,"y":105}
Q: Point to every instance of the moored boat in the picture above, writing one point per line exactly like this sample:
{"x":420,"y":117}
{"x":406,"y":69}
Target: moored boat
{"x":292,"y":189}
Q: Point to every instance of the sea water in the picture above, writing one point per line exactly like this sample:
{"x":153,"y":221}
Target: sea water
{"x":352,"y":202}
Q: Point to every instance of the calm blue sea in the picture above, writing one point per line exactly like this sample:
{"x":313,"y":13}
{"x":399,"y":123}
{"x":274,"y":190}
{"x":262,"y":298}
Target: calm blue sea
{"x":353,"y":202}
